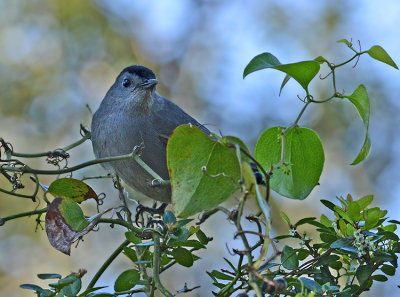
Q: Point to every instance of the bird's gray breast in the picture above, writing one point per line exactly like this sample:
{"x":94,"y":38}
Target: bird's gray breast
{"x":118,"y":133}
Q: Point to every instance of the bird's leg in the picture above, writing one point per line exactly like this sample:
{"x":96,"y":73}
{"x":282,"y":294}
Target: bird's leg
{"x":158,"y":181}
{"x":122,"y":196}
{"x":152,"y":210}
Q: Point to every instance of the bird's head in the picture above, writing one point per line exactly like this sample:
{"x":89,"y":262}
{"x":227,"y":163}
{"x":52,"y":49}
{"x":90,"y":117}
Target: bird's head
{"x":135,"y":85}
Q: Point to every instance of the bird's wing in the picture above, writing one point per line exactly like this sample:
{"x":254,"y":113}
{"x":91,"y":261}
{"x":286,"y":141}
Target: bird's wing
{"x":170,"y":116}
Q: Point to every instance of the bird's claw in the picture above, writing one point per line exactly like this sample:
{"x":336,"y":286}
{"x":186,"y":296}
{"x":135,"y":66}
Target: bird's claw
{"x":140,"y":209}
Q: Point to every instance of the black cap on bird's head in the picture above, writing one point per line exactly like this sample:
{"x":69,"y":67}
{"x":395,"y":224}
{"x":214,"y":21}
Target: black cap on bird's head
{"x":140,"y":71}
{"x":138,"y":77}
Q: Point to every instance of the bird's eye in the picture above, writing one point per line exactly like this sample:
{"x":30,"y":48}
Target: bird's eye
{"x":126,"y":83}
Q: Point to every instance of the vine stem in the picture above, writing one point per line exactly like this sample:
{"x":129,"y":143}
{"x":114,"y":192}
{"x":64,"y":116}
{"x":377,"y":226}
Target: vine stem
{"x":27,"y":169}
{"x":283,"y":139}
{"x":106,"y":264}
{"x":246,"y":244}
{"x":21,"y":215}
{"x":156,"y":266}
{"x":43,"y":210}
{"x":33,"y":196}
{"x":46,"y":154}
{"x":134,"y":155}
{"x":349,"y":60}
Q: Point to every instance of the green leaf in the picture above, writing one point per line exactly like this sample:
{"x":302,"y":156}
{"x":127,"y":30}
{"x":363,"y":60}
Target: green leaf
{"x":203,"y":172}
{"x":305,"y":221}
{"x":132,"y":237}
{"x":289,"y":258}
{"x":182,"y":223}
{"x":48,"y":275}
{"x":350,"y":230}
{"x":311,"y":284}
{"x":304,"y":154}
{"x":342,"y":227}
{"x":345,"y":41}
{"x":73,"y":289}
{"x":164,"y":260}
{"x":336,"y":265}
{"x":284,"y":82}
{"x":363,"y":273}
{"x":325,"y":221}
{"x":327,"y":260}
{"x":388,"y":269}
{"x":360,"y":100}
{"x":328,"y":204}
{"x":378,"y":53}
{"x":181,"y":234}
{"x":31,"y":287}
{"x":73,"y":215}
{"x":371,"y":217}
{"x":285,"y":217}
{"x":353,"y":211}
{"x":365,"y":201}
{"x":390,"y":228}
{"x":341,"y":243}
{"x":72,"y":188}
{"x":68,"y":280}
{"x":125,"y":281}
{"x":342,"y":214}
{"x":302,"y":254}
{"x":202,"y":237}
{"x":130,"y":253}
{"x":189,"y":243}
{"x":379,"y":278}
{"x":303,"y":72}
{"x":183,"y":256}
{"x":319,"y":60}
{"x":259,"y":62}
{"x":327,"y":237}
{"x":169,"y":218}
{"x":220,"y":275}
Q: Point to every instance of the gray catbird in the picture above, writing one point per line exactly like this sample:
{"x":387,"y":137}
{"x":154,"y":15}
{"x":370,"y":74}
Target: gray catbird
{"x":132,"y":114}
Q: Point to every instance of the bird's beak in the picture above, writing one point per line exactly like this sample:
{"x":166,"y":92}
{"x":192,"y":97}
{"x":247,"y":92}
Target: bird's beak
{"x":149,"y":83}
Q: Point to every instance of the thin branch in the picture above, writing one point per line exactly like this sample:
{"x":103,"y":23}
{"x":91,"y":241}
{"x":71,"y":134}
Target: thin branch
{"x":21,"y":215}
{"x":106,"y":264}
{"x":185,"y":289}
{"x":123,"y":223}
{"x":156,"y":266}
{"x":49,"y":153}
{"x":123,"y":198}
{"x":246,"y":244}
{"x":26,"y":169}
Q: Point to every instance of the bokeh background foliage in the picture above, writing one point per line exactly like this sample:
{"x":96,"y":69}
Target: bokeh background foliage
{"x":58,"y":56}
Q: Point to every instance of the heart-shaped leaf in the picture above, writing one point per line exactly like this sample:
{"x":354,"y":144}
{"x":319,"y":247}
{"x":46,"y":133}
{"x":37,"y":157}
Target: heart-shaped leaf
{"x":203,"y":172}
{"x":304,"y":160}
{"x":303,"y":72}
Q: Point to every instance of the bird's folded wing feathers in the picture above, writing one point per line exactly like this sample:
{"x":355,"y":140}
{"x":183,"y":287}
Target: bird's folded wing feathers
{"x":171,"y":116}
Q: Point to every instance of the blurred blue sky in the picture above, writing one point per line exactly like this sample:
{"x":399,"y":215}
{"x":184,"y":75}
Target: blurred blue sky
{"x":57,"y":57}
